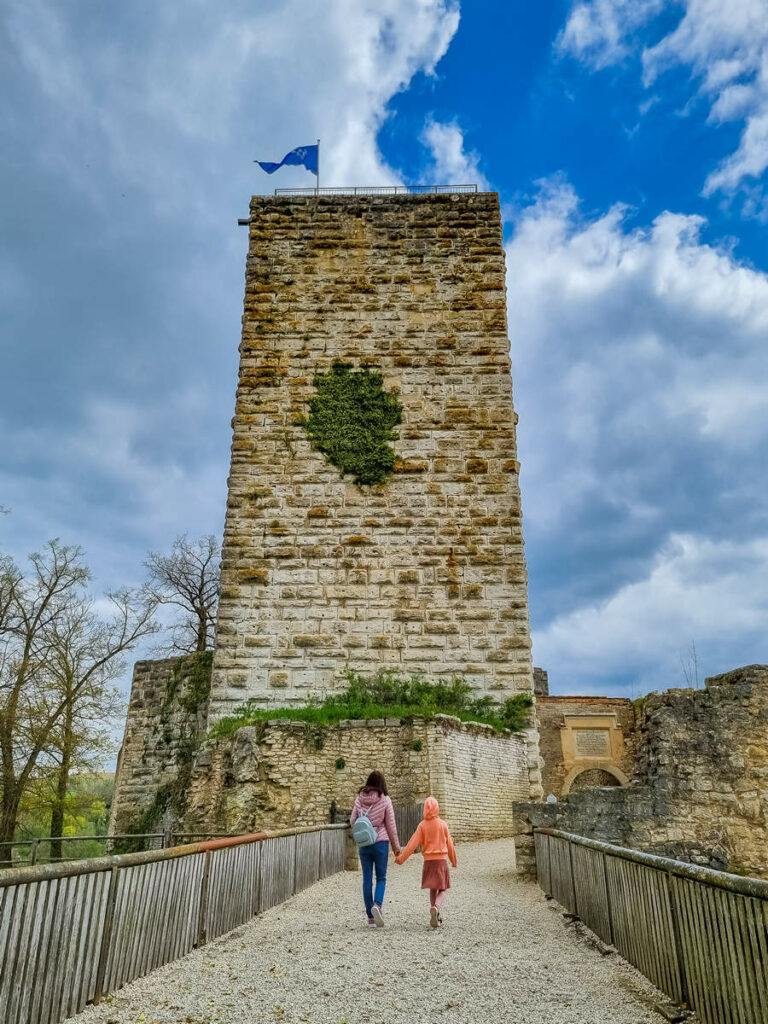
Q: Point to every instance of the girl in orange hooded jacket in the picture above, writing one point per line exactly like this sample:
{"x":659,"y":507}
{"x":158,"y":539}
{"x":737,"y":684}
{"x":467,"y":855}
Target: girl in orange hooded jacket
{"x":436,"y":844}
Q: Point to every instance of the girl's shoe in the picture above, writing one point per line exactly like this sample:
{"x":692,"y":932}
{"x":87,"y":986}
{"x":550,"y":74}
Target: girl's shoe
{"x":434,"y":917}
{"x":378,"y":917}
{"x":439,"y":920}
{"x":371,"y":923}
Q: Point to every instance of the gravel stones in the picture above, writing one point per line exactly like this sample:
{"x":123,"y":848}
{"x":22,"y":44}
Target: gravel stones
{"x":504,"y":955}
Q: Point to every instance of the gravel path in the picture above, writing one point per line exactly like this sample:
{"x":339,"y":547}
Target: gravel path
{"x":503,"y":955}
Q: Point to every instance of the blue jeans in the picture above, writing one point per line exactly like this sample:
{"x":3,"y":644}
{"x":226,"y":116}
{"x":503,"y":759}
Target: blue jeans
{"x":376,"y":855}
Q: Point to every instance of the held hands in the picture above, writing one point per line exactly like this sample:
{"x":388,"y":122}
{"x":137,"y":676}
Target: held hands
{"x":399,"y":859}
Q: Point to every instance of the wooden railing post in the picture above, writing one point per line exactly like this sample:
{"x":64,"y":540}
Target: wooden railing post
{"x":573,"y":879}
{"x":608,"y":902}
{"x":203,"y":900}
{"x":674,"y":913}
{"x":295,"y":854}
{"x":106,"y":936}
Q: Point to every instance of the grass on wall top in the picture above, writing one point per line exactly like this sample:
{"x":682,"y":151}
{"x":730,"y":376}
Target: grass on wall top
{"x":390,"y":695}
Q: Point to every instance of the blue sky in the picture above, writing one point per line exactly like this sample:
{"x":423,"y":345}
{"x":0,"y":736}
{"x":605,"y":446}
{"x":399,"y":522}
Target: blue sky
{"x":628,"y":140}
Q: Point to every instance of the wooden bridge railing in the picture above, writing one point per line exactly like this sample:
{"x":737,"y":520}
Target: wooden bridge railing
{"x":701,"y":936}
{"x":70,"y":933}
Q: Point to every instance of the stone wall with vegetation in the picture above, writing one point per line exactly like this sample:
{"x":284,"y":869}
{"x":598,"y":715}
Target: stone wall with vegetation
{"x":282,"y":773}
{"x":164,"y":726}
{"x":423,"y":569}
{"x":702,"y":790}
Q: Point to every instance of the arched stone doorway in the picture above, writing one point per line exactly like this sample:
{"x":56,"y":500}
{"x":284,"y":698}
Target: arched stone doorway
{"x":593,"y":775}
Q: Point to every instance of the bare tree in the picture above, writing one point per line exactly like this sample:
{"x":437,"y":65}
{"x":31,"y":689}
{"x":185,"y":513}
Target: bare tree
{"x":690,"y":666}
{"x":36,"y":612}
{"x":188,"y":578}
{"x":81,"y":675}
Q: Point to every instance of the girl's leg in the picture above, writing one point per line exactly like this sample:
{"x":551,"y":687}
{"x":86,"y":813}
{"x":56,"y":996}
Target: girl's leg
{"x":366,"y":862}
{"x":439,"y":897}
{"x":433,"y":915}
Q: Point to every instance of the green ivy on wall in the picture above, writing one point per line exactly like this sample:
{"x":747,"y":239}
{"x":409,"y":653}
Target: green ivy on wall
{"x":352,"y":419}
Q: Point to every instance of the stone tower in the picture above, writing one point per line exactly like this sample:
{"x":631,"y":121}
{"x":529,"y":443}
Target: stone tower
{"x":424,"y":572}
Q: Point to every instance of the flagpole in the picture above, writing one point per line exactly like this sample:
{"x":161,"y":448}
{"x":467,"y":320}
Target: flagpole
{"x":317,"y":188}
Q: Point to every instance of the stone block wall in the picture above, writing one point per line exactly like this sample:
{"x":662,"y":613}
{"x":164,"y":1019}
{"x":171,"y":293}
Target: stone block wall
{"x":289,"y":773}
{"x":477,"y":777}
{"x":425,"y":572}
{"x":705,"y":755}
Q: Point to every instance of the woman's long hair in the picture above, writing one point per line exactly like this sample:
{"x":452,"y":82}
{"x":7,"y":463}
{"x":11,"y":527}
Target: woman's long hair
{"x":376,"y":781}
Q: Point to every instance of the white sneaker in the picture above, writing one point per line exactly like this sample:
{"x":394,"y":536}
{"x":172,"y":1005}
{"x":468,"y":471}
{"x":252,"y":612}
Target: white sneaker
{"x":433,"y":917}
{"x":377,"y":915}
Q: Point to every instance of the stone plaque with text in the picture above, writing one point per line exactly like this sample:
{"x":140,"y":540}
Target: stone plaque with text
{"x":592,"y":742}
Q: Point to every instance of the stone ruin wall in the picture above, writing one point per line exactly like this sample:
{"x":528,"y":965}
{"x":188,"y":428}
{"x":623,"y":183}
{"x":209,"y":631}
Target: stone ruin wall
{"x":701,"y":793}
{"x":164,"y":725}
{"x":426,"y":572}
{"x":286,"y":774}
{"x":289,"y":773}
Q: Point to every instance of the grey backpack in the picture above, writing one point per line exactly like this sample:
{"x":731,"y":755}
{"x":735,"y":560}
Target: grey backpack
{"x":363,"y":831}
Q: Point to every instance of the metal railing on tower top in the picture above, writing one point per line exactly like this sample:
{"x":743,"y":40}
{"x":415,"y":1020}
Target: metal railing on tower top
{"x":384,"y":190}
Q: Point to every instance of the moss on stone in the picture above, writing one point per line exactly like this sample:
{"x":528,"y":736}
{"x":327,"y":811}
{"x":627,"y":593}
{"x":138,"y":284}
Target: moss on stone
{"x":352,"y":419}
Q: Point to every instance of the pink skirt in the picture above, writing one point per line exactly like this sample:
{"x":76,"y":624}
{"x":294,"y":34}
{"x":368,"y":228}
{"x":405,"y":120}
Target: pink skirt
{"x":435,"y":875}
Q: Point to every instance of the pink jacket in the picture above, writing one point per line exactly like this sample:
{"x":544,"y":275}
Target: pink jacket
{"x":381,"y":814}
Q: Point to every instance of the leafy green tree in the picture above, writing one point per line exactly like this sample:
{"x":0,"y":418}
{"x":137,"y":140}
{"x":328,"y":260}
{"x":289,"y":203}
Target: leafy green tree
{"x":82,"y":736}
{"x":59,"y":651}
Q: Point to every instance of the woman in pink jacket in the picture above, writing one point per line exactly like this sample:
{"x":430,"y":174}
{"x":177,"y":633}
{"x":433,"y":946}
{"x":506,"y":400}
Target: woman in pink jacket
{"x":374,"y":802}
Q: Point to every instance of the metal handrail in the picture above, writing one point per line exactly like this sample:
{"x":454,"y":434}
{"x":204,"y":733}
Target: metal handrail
{"x":389,"y":190}
{"x":194,"y":836}
{"x":41,"y":872}
{"x":74,"y":839}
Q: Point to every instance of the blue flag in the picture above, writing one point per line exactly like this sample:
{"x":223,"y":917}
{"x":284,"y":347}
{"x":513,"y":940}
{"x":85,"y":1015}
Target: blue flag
{"x":302,"y":156}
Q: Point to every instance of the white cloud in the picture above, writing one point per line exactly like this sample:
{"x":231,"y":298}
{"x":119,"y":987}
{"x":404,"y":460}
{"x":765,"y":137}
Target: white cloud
{"x":712,"y":594}
{"x":112,"y":483}
{"x":228,"y":83}
{"x":138,"y":131}
{"x":598,"y":31}
{"x":642,"y":388}
{"x":450,"y":163}
{"x":725,"y":45}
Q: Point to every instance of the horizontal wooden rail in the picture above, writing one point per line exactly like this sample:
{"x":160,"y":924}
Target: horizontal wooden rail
{"x":700,"y":935}
{"x":35,"y":844}
{"x":69,"y":933}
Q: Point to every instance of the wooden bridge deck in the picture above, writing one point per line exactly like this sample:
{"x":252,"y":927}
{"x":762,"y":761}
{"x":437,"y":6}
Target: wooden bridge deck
{"x":504,"y":955}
